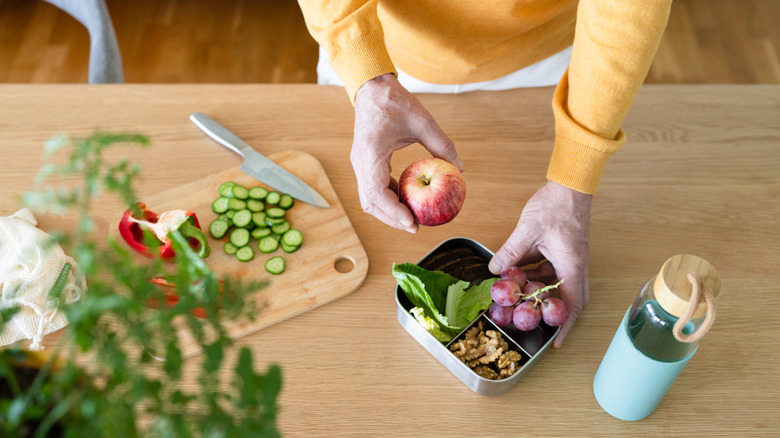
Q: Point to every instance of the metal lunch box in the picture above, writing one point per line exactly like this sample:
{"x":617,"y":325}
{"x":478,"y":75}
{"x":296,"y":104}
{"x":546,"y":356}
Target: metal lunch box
{"x":467,"y":260}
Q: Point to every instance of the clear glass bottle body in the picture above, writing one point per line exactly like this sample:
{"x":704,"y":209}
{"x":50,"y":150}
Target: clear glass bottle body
{"x":650,"y":328}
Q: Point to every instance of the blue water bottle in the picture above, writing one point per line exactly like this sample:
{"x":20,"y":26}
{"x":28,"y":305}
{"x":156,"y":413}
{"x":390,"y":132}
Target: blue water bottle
{"x":659,"y":334}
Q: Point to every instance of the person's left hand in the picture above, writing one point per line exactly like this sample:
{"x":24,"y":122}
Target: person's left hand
{"x":389,"y":118}
{"x":553,"y":228}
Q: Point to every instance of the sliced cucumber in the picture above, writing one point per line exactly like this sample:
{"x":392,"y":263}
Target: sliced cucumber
{"x":240,"y":192}
{"x":242,"y":218}
{"x":245,"y":254}
{"x":271,"y":221}
{"x":226,"y":189}
{"x":236,"y":204}
{"x":255,"y":205}
{"x":220,"y":205}
{"x":292,"y":237}
{"x":225,"y":218}
{"x":275,"y":212}
{"x":239,"y":237}
{"x":268,"y":244}
{"x":286,"y":202}
{"x":218,"y":228}
{"x":259,"y":233}
{"x":273,"y":198}
{"x":275,"y":265}
{"x":281,"y":228}
{"x":258,"y":193}
{"x":246,"y":213}
{"x":259,"y":219}
{"x":289,"y":248}
{"x":230,"y":249}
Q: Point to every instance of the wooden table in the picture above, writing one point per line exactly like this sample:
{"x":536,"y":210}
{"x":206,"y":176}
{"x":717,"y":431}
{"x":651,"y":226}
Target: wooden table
{"x":700,"y":174}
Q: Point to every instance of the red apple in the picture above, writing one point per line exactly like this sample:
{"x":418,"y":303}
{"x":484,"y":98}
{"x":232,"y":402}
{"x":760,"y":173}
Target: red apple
{"x":433,"y":189}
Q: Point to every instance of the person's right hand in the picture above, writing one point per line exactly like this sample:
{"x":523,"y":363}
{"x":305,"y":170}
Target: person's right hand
{"x":554,"y":228}
{"x":388,"y":118}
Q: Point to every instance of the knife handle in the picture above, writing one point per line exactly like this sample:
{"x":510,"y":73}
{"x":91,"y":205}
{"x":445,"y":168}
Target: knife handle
{"x":219,"y":133}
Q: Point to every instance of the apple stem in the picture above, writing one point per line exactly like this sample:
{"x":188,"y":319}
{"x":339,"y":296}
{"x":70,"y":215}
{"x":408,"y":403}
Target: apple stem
{"x":425,"y":180}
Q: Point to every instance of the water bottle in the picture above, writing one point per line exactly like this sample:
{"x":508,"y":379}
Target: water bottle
{"x":659,"y":334}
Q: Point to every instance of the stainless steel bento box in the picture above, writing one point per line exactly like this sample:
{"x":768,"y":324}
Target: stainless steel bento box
{"x":467,"y":260}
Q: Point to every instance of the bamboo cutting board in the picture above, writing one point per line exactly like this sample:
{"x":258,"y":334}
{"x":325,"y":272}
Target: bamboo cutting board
{"x":330,"y":264}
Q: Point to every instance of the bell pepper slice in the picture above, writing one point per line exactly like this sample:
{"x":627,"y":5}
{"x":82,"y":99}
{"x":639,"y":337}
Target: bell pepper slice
{"x":189,"y":229}
{"x":132,"y":226}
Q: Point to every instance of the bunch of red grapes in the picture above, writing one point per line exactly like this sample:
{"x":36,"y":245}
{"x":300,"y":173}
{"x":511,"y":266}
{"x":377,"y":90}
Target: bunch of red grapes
{"x":525,"y":303}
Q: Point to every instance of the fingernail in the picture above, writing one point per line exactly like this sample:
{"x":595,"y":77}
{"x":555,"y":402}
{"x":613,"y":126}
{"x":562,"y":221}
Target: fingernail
{"x":406,"y":222}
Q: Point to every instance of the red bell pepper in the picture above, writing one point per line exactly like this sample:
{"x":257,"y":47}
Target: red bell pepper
{"x":132,"y":227}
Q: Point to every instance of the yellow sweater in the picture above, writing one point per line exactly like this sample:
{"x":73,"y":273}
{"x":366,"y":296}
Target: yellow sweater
{"x":463,"y":41}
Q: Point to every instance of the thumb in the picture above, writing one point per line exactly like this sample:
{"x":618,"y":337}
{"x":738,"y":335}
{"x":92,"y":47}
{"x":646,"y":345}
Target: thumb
{"x":440,"y":145}
{"x":517,"y":251}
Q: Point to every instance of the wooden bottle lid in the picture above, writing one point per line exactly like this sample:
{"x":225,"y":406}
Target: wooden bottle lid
{"x":673,"y":290}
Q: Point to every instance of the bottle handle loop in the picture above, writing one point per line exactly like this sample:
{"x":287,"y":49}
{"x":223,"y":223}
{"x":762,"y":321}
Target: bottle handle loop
{"x":709,"y":298}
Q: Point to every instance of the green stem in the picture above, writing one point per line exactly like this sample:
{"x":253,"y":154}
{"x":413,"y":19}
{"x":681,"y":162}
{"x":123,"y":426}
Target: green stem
{"x":53,"y":416}
{"x":539,"y":291}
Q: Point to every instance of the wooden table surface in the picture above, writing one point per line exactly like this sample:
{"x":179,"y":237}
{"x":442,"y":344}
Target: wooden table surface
{"x":700,"y":174}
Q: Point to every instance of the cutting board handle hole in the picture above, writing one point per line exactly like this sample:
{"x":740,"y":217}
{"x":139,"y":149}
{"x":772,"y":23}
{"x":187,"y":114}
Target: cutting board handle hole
{"x":344,"y":264}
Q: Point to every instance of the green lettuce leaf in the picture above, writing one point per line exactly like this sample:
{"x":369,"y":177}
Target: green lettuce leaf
{"x":426,"y":289}
{"x":430,"y":325}
{"x":451,"y":303}
{"x":464,"y":303}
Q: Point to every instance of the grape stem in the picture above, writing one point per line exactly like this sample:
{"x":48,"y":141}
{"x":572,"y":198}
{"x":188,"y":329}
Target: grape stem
{"x":539,"y":291}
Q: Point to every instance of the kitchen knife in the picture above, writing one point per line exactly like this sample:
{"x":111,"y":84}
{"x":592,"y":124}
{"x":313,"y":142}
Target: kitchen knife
{"x":258,"y":166}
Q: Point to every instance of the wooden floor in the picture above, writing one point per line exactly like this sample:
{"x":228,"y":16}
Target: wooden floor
{"x":266,"y":41}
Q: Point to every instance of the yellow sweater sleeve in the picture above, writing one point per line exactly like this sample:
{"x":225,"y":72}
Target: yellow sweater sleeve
{"x":614,"y":45}
{"x":351,"y":34}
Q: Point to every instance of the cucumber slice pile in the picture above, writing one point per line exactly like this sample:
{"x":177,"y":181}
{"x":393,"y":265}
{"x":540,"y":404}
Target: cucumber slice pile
{"x":247,"y":213}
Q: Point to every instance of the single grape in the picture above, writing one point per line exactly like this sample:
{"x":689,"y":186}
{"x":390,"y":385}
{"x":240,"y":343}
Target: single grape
{"x":501,"y":315}
{"x":515,"y":274}
{"x":527,"y":316}
{"x":533,"y":286}
{"x":505,"y":292}
{"x":554,"y":312}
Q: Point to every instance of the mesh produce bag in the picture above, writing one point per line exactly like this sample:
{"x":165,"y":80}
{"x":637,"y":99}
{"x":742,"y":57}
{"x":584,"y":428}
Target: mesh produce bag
{"x":31,"y":266}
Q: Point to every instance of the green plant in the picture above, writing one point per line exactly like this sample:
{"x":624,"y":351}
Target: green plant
{"x":100,"y":381}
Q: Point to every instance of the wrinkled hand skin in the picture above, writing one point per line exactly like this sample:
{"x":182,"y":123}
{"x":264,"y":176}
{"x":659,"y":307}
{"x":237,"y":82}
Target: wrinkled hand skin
{"x":554,"y":226}
{"x":389,"y":118}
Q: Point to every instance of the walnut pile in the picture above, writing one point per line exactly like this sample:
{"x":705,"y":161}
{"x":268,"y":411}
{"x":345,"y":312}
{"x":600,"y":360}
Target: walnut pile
{"x":487,"y":353}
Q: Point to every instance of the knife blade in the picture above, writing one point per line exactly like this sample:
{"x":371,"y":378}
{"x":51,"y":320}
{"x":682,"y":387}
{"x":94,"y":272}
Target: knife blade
{"x":257,"y":165}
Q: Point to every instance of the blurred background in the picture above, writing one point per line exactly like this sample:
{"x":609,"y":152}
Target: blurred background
{"x":266,"y":41}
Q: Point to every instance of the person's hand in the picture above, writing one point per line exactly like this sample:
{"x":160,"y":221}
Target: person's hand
{"x":553,"y":227}
{"x":388,"y":118}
